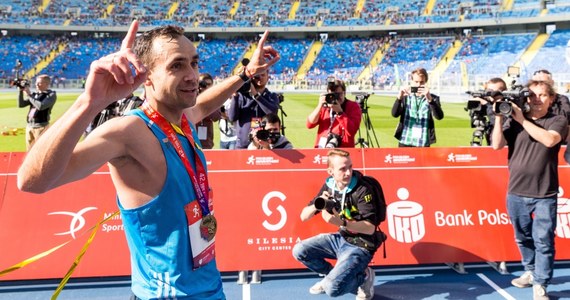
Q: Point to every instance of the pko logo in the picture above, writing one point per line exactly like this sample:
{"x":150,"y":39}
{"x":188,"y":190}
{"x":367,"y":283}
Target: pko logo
{"x":77,"y":220}
{"x":405,"y":219}
{"x":268,"y":212}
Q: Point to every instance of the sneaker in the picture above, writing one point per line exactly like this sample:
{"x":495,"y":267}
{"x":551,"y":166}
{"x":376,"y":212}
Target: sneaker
{"x":524,"y":281}
{"x":539,"y":292}
{"x":317,"y":288}
{"x":366,"y":290}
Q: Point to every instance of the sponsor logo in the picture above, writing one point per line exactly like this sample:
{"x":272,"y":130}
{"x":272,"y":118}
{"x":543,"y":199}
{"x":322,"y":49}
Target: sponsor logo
{"x":320,"y":160}
{"x":407,"y":223}
{"x":405,"y":219}
{"x":398,"y":159}
{"x":77,"y":220}
{"x":272,"y":242}
{"x":262,"y":160}
{"x":268,"y":212}
{"x":451,"y":157}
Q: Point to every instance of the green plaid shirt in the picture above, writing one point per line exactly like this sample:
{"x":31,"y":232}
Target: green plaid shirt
{"x":416,"y":118}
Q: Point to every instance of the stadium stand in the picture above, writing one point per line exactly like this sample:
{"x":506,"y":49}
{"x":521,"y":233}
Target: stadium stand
{"x":482,"y":51}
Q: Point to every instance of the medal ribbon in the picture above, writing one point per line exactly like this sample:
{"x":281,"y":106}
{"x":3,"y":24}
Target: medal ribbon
{"x":200,"y":182}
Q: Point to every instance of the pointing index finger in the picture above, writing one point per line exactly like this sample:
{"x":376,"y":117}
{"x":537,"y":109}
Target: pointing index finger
{"x":263,"y":39}
{"x":129,"y":39}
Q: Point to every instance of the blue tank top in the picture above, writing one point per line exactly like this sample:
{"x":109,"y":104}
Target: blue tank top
{"x":157,"y":234}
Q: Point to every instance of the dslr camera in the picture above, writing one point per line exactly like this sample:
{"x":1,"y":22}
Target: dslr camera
{"x":18,"y":81}
{"x":333,"y":140}
{"x":327,"y":204}
{"x":266,"y":135}
{"x":331,"y":98}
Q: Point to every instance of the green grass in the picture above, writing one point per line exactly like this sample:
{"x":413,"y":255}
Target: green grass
{"x":453,"y":130}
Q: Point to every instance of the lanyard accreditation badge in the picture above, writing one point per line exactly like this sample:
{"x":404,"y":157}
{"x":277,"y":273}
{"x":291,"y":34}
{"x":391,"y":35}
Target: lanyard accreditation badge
{"x":202,"y":225}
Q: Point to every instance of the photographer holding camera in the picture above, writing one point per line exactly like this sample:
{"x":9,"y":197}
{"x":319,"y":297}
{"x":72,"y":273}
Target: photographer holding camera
{"x":348,"y":202}
{"x":251,"y":104}
{"x":534,"y":139}
{"x":416,"y":107}
{"x":40,"y":102}
{"x":205,"y":127}
{"x":337,"y":118}
{"x":268,"y":136}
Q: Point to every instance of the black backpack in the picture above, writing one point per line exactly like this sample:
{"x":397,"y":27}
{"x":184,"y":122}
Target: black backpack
{"x":378,"y":195}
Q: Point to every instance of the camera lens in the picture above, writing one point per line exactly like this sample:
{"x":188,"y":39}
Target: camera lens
{"x":262,"y":134}
{"x":504,"y":107}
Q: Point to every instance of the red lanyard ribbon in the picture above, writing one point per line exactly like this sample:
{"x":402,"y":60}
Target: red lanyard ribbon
{"x":200,"y":182}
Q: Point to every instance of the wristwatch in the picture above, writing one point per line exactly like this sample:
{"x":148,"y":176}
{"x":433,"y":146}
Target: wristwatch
{"x":243,"y":76}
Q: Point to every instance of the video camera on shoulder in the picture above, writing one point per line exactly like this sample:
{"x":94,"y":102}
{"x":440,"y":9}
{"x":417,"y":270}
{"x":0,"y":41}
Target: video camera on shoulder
{"x":516,"y":95}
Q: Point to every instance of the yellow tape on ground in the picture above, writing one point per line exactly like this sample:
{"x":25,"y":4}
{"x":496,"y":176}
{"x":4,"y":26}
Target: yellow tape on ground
{"x":50,"y":251}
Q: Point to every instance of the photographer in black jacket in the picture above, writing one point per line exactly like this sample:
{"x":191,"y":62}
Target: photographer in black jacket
{"x":353,"y":209}
{"x":40,"y":103}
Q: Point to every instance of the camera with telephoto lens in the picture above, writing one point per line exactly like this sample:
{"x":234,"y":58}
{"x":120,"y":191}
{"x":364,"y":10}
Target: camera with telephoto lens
{"x":333,"y":140}
{"x":327,"y":204}
{"x":266,"y":135}
{"x":331,"y":98}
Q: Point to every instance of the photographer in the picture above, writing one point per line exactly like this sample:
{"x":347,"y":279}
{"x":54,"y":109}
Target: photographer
{"x":534,"y":139}
{"x":484,"y":113}
{"x":267,"y":136}
{"x":206,"y":126}
{"x":248,"y":106}
{"x":355,"y":212}
{"x":337,"y":118}
{"x":416,"y":107}
{"x":40,"y":102}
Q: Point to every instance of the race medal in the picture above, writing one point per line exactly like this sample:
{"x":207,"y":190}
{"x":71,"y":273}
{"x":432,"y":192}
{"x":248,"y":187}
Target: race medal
{"x":208,"y":227}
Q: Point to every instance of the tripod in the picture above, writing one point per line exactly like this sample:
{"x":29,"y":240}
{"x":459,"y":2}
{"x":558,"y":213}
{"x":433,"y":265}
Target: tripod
{"x":362,"y":100}
{"x":282,"y":113}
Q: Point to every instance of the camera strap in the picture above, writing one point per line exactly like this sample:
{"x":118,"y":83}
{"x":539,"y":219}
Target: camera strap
{"x":343,"y":199}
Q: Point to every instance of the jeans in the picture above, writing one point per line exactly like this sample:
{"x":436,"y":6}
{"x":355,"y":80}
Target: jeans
{"x":351,"y":262}
{"x":534,"y":222}
{"x":228,"y":145}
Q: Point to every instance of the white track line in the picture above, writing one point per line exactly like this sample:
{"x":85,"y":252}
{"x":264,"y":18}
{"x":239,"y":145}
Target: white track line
{"x":496,"y":287}
{"x":246,"y":292}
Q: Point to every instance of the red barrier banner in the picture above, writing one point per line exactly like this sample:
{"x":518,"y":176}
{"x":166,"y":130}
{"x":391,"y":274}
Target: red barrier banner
{"x":444,"y":205}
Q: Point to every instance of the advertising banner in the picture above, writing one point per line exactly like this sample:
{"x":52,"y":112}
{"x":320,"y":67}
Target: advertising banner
{"x":444,"y":205}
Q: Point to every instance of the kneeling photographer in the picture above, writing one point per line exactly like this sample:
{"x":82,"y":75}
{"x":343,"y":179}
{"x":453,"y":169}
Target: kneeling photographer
{"x":267,"y":135}
{"x":351,"y":203}
{"x":336,"y":117}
